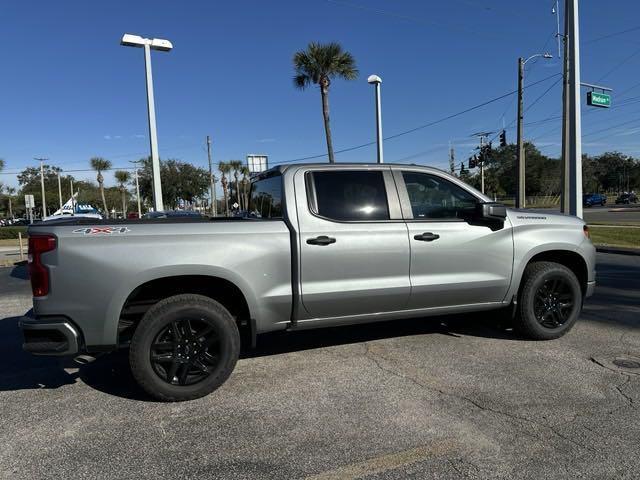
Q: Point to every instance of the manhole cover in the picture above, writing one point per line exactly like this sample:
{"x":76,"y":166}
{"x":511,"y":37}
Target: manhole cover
{"x":625,"y":363}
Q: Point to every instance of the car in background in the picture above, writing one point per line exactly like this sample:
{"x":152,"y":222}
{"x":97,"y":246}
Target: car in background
{"x":591,"y":199}
{"x":172,"y":214}
{"x":626,"y":198}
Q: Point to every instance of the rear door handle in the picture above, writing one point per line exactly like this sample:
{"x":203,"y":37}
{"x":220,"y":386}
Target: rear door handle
{"x":321,"y":240}
{"x":427,"y":237}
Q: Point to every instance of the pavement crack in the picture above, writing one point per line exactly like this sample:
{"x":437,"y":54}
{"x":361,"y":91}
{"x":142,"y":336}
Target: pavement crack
{"x":375,"y":358}
{"x":629,"y":400}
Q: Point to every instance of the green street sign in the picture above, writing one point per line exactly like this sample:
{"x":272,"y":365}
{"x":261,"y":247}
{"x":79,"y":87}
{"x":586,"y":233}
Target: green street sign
{"x":596,"y":99}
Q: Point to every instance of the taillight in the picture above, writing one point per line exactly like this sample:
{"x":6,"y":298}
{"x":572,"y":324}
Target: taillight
{"x":39,"y":274}
{"x":585,"y":230}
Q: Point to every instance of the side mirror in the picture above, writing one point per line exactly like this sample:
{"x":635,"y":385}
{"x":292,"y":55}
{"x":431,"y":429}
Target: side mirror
{"x":492,"y":211}
{"x":490,"y":215}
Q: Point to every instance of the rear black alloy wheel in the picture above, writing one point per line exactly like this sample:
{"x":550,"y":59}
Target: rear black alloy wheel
{"x":549,"y":302}
{"x":185,"y":352}
{"x":553,"y":302}
{"x":184,"y":347}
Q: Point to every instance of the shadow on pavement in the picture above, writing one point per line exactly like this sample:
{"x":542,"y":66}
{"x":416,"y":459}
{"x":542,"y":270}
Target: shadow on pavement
{"x":110,"y":373}
{"x":20,"y":272}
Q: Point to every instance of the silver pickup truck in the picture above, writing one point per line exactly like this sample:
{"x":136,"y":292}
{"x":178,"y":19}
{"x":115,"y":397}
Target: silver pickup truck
{"x":322,"y":245}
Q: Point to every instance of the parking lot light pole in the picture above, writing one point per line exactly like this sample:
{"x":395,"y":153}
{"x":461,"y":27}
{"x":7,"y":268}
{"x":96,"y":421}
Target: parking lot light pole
{"x":376,"y":80}
{"x":149,"y":44}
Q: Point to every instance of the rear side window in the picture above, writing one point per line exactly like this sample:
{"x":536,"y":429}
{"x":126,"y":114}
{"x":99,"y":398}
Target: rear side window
{"x":265,"y":199}
{"x":346,"y":195}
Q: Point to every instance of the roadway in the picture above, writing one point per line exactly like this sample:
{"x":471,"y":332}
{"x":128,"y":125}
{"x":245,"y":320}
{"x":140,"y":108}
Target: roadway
{"x":428,"y":398}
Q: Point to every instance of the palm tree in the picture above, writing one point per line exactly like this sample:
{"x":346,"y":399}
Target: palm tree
{"x":10,"y":192}
{"x":320,"y":64}
{"x":225,"y":168}
{"x":245,"y":185}
{"x":99,"y":164}
{"x":236,"y":165}
{"x":122,"y":176}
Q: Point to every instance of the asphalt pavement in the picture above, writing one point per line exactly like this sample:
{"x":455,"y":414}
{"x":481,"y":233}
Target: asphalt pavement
{"x":428,"y":398}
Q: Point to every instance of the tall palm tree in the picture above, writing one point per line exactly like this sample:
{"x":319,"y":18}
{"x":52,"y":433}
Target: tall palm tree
{"x":245,"y":185}
{"x":123,"y":177}
{"x":10,"y":192}
{"x":100,"y":164}
{"x":236,"y":165}
{"x":320,"y":64}
{"x":225,"y":168}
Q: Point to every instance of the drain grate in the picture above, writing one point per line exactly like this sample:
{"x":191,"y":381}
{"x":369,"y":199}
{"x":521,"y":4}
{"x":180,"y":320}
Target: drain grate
{"x":626,"y":363}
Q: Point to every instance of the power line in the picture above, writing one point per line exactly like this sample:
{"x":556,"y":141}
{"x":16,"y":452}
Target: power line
{"x":610,"y":35}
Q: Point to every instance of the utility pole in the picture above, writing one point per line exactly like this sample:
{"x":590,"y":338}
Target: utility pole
{"x":137,"y":187}
{"x":59,"y":191}
{"x":44,"y":203}
{"x":212,"y":195}
{"x":520,"y":198}
{"x":571,"y":125}
{"x":482,"y":165}
{"x":452,"y":159}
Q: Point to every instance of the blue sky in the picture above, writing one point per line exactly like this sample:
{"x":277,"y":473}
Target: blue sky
{"x":70,"y":92}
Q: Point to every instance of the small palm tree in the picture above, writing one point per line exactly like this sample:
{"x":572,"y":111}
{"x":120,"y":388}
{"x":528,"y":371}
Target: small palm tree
{"x":225,"y":168}
{"x":10,"y":192}
{"x":100,"y":164}
{"x":320,"y":64}
{"x":236,"y":165}
{"x":123,"y":177}
{"x":245,"y":185}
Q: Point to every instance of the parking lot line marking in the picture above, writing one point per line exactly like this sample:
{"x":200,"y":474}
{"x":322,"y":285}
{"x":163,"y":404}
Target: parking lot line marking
{"x":384,"y":463}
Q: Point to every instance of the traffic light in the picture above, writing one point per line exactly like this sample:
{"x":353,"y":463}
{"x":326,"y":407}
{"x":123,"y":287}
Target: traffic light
{"x":461,"y":168}
{"x":503,"y":138}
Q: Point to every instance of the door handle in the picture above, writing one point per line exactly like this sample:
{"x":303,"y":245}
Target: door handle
{"x":427,"y":237}
{"x":321,"y":240}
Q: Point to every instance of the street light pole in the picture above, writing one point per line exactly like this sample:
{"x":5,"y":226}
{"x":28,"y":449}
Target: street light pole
{"x":212,"y":196}
{"x":376,"y":80}
{"x":137,"y":187}
{"x":162,"y":45}
{"x":521,"y":188}
{"x":153,"y":134}
{"x":44,"y":203}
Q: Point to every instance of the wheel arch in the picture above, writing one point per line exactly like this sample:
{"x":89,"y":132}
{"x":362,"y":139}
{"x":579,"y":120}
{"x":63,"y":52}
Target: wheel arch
{"x":569,"y":258}
{"x":219,"y":288}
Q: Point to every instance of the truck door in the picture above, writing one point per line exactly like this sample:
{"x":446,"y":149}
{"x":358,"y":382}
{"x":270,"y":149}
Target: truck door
{"x":353,"y":243}
{"x":453,"y":263}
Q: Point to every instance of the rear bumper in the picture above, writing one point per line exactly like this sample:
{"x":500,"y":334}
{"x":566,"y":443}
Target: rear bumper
{"x":50,"y":336}
{"x":591,"y":286}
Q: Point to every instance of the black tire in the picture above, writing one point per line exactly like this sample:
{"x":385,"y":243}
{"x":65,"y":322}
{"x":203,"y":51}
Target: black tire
{"x":184,"y":348}
{"x":549,"y":303}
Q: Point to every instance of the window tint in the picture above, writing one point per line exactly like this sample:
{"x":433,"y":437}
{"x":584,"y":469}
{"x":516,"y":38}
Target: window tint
{"x":349,"y":195}
{"x":265,"y":200}
{"x":433,"y":197}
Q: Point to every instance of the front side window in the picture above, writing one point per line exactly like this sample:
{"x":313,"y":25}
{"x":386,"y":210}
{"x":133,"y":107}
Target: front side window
{"x":433,"y":197}
{"x":346,"y":195}
{"x":265,"y":200}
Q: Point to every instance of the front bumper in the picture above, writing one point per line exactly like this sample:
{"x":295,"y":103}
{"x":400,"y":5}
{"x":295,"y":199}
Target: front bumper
{"x":591,"y":286}
{"x":51,"y":336}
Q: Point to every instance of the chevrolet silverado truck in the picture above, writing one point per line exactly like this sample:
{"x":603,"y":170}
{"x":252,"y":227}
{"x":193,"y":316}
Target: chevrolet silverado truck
{"x":321,"y":245}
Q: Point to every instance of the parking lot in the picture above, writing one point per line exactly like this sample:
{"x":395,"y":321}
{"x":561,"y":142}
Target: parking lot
{"x":428,"y":398}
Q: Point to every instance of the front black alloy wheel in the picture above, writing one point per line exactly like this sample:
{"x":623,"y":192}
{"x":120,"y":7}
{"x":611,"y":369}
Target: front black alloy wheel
{"x":549,"y":302}
{"x":184,"y":347}
{"x":553,"y":302}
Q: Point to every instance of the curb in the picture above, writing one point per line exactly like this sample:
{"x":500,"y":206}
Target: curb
{"x":618,"y":250}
